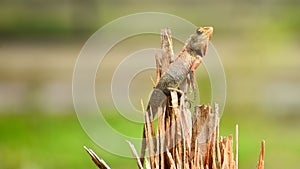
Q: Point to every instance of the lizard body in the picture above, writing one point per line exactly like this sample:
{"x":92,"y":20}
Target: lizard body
{"x":186,"y":63}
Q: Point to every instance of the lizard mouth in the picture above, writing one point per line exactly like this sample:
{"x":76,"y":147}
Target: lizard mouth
{"x":208,"y":31}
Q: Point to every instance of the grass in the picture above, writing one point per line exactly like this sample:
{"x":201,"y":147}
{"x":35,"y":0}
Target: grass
{"x":56,"y":141}
{"x":40,"y":141}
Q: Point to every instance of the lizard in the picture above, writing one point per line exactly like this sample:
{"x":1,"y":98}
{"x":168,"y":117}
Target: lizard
{"x":185,"y":64}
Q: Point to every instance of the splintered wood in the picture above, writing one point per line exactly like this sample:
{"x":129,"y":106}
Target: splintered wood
{"x":182,"y":140}
{"x":194,"y":145}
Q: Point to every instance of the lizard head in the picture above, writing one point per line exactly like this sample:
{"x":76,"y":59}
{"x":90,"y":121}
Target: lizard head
{"x":199,"y":40}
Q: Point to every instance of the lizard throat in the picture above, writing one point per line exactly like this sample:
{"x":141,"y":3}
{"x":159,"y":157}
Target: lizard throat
{"x":195,"y":53}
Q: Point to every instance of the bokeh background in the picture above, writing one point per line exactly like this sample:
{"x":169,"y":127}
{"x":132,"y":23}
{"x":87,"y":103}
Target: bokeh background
{"x":258,"y":42}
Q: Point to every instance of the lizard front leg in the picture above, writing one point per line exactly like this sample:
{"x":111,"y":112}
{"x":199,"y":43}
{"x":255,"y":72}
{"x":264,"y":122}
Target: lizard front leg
{"x":194,"y":66}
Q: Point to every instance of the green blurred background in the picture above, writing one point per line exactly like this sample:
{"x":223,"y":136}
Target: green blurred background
{"x":258,"y":42}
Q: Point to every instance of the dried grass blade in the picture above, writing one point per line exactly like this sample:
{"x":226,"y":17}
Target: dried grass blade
{"x":98,"y":161}
{"x":136,"y":156}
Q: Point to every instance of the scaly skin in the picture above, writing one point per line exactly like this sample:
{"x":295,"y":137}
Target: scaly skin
{"x":187,"y":62}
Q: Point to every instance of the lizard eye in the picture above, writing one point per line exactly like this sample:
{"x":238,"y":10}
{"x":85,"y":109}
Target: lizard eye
{"x":199,"y":31}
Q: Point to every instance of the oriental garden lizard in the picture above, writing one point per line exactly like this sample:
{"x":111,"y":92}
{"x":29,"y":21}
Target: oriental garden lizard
{"x":185,"y":64}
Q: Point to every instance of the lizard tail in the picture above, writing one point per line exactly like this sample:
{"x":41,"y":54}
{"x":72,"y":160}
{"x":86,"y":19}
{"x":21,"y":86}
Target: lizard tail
{"x":149,"y":126}
{"x":143,"y":149}
{"x":157,"y":99}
